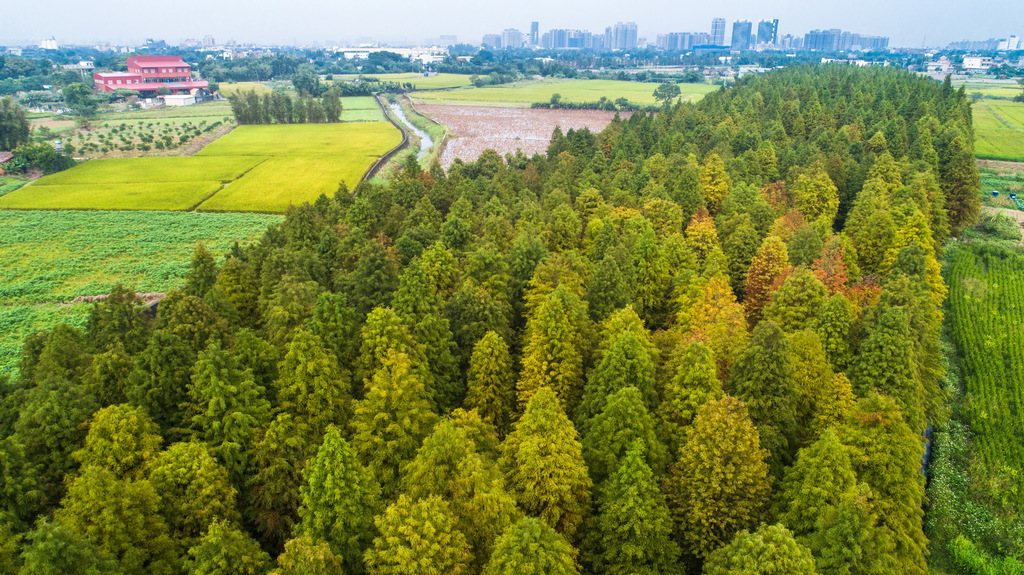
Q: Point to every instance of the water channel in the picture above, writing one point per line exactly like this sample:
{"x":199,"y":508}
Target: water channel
{"x":425,"y":141}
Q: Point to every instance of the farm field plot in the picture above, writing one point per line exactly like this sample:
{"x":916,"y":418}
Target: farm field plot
{"x":986,"y":300}
{"x":50,"y":257}
{"x":283,"y":181}
{"x":420,"y":81}
{"x":999,"y":130}
{"x":132,"y":170}
{"x":351,"y":139}
{"x":8,"y":185}
{"x":150,"y":196}
{"x":522,"y":94}
{"x":1001,"y":90}
{"x":505,"y":130}
{"x":219,"y":108}
{"x":231,"y":89}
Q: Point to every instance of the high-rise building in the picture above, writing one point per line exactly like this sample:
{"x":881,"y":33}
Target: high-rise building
{"x":511,"y":39}
{"x":622,"y":36}
{"x":741,"y":32}
{"x":718,"y":31}
{"x":534,"y":33}
{"x":823,"y":40}
{"x":492,"y":41}
{"x":768,"y":32}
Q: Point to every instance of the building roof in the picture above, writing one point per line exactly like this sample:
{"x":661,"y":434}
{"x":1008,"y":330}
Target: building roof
{"x":5,"y":156}
{"x":115,"y":75}
{"x":156,"y":60}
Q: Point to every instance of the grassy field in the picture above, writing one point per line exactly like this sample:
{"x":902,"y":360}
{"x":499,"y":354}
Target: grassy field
{"x":20,"y":321}
{"x":144,"y":170}
{"x":530,"y":91}
{"x":990,"y":89}
{"x":360,"y":139}
{"x":421,"y":82}
{"x":999,"y":130}
{"x":230,"y":89}
{"x":50,"y":257}
{"x":283,"y":181}
{"x":8,"y":185}
{"x":151,"y":196}
{"x":219,"y":109}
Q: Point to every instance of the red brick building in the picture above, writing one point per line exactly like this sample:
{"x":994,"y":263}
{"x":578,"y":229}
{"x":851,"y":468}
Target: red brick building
{"x":147,"y":74}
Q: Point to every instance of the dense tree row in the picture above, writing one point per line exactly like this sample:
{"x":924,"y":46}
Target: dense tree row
{"x":250,"y":107}
{"x":704,"y":340}
{"x":14,"y":129}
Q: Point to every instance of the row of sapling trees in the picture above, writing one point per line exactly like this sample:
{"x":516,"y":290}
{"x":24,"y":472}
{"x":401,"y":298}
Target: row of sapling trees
{"x":278,"y":108}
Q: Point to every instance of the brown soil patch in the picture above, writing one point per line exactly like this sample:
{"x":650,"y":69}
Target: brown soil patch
{"x":1009,"y":168}
{"x":505,"y":130}
{"x":52,"y":124}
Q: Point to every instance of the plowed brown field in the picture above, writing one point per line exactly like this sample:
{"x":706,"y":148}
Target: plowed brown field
{"x":476,"y":128}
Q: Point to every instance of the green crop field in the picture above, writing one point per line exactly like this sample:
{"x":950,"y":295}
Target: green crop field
{"x":345,"y":139}
{"x":990,"y":89}
{"x":8,"y":185}
{"x":50,"y":257}
{"x":530,"y":91}
{"x":999,"y":130}
{"x":230,"y":89}
{"x":151,"y":196}
{"x":142,"y":170}
{"x":421,"y":82}
{"x":279,"y":182}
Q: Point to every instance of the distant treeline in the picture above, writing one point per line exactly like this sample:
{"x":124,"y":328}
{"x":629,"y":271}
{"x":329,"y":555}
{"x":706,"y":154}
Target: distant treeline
{"x":616,"y":105}
{"x":278,"y":108}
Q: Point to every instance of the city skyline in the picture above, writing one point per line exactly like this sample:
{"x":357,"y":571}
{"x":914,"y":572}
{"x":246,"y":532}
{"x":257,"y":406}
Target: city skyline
{"x":913,"y":23}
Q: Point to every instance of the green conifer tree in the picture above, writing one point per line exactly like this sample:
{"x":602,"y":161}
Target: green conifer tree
{"x":720,"y":484}
{"x":491,"y":383}
{"x":532,"y":547}
{"x":627,"y":362}
{"x":610,"y":434}
{"x":159,"y":383}
{"x":543,"y":463}
{"x":339,"y":500}
{"x":417,"y":304}
{"x":121,"y":439}
{"x":226,"y":550}
{"x":194,"y":491}
{"x":312,"y":387}
{"x":835,"y":324}
{"x":798,"y":302}
{"x":762,"y":376}
{"x":693,"y":384}
{"x":304,"y":555}
{"x":391,"y":421}
{"x":202,"y":272}
{"x":418,"y":537}
{"x":771,"y":550}
{"x":552,"y":354}
{"x":632,"y":527}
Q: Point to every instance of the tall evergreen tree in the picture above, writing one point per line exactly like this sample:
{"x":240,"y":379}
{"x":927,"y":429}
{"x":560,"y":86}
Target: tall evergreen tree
{"x":553,"y":354}
{"x":958,"y":177}
{"x":121,"y":439}
{"x":693,"y":384}
{"x":720,"y":484}
{"x":339,"y":500}
{"x":626,"y":363}
{"x":610,"y":434}
{"x":532,"y":547}
{"x":194,"y":491}
{"x":312,"y":386}
{"x":763,"y":378}
{"x":632,"y":527}
{"x":771,"y":550}
{"x":418,"y":305}
{"x":226,"y":550}
{"x":543,"y":463}
{"x":304,"y":555}
{"x":202,"y":272}
{"x":451,"y":465}
{"x":391,"y":421}
{"x":418,"y":538}
{"x":491,"y":382}
{"x":798,"y":302}
{"x":160,"y":381}
{"x":835,"y":325}
{"x":886,"y":455}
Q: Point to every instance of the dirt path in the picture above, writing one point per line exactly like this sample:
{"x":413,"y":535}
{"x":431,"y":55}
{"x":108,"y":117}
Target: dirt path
{"x":1002,"y":167}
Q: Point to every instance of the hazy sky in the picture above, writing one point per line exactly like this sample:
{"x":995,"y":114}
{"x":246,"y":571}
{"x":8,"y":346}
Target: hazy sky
{"x":909,"y":23}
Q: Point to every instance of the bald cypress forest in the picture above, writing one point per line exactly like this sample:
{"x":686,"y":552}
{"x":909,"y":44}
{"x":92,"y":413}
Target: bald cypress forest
{"x":703,"y":340}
